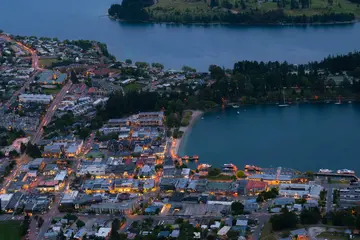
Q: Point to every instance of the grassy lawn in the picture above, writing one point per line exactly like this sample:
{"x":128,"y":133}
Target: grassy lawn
{"x":10,"y":230}
{"x":47,"y":62}
{"x":266,"y":232}
{"x":180,"y":4}
{"x":332,"y":236}
{"x":219,"y":177}
{"x":133,"y":87}
{"x":51,"y":91}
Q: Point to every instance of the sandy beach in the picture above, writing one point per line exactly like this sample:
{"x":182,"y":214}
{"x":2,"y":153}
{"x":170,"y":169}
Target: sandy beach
{"x":194,"y":117}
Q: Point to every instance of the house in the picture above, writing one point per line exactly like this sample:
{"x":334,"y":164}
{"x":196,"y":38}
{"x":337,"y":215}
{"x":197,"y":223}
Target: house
{"x":284,"y":201}
{"x":215,"y":225}
{"x":103,"y":232}
{"x":223,"y":232}
{"x":163,"y":234}
{"x":301,"y":234}
{"x":255,"y":187}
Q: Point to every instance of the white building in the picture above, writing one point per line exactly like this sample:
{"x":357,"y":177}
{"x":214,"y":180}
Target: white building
{"x":300,"y":190}
{"x":5,"y":199}
{"x":103,"y":232}
{"x":36,"y":98}
{"x":96,"y":169}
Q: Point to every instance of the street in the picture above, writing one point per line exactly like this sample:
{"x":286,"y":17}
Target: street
{"x":35,"y":65}
{"x":50,"y":112}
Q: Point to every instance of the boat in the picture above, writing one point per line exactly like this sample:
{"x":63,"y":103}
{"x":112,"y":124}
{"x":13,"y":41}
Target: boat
{"x":218,"y":117}
{"x":186,"y":157}
{"x":339,"y":101}
{"x":235,"y":106}
{"x":325,"y":171}
{"x":229,"y":166}
{"x":202,"y":118}
{"x":345,"y":171}
{"x":238,"y":112}
{"x":284,"y":102}
{"x":195,"y":157}
{"x":349,"y":101}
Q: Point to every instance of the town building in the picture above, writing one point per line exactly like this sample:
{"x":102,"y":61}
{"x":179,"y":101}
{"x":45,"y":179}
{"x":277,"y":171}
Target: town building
{"x":300,"y":190}
{"x":35,"y":98}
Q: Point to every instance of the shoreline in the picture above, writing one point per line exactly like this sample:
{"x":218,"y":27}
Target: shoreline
{"x":196,"y":114}
{"x":331,"y":23}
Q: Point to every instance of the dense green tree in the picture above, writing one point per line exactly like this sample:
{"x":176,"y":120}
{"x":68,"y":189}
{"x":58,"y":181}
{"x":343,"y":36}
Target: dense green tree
{"x":240,"y":174}
{"x":285,"y":220}
{"x":214,"y":172}
{"x":33,"y":150}
{"x":311,"y":216}
{"x":237,"y":208}
{"x":74,"y":79}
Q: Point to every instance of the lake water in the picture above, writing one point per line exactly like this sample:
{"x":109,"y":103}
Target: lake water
{"x":304,"y":137}
{"x":175,"y":45}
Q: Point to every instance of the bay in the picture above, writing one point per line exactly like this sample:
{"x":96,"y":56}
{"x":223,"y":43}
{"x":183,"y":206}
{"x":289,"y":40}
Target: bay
{"x":175,"y":45}
{"x":304,"y":137}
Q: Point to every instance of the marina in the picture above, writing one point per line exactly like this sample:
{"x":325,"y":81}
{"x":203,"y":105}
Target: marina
{"x":270,"y":136}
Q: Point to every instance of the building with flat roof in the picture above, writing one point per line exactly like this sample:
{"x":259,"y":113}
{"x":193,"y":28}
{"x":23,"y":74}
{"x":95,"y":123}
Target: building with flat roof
{"x":272,"y":179}
{"x":110,"y":207}
{"x":60,"y":176}
{"x":300,"y":190}
{"x":49,"y":77}
{"x":35,"y":98}
{"x":5,"y":199}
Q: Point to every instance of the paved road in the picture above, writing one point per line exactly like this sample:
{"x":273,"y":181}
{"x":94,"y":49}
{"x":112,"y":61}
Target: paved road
{"x":263,"y":217}
{"x":35,"y":65}
{"x":54,"y":208}
{"x":50,"y":112}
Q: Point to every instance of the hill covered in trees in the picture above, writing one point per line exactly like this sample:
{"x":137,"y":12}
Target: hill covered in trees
{"x":248,"y":82}
{"x":237,"y":11}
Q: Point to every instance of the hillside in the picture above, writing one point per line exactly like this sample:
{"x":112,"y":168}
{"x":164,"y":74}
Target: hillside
{"x":238,"y":11}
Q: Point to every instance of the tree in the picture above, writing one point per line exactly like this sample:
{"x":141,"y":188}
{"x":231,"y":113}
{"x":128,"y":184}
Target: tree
{"x":79,"y":223}
{"x":115,"y":226}
{"x":33,"y":150}
{"x":214,"y":172}
{"x":285,"y":220}
{"x":188,"y":69}
{"x":216,"y":72}
{"x":13,"y":154}
{"x":84,"y":133}
{"x":357,"y":222}
{"x":22,"y":148}
{"x":311,"y":216}
{"x":128,"y":61}
{"x":157,"y":65}
{"x":73,"y":77}
{"x":237,"y":208}
{"x":240,"y":174}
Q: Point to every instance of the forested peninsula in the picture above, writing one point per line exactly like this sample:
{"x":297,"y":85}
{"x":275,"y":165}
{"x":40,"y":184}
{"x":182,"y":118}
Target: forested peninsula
{"x":256,"y":12}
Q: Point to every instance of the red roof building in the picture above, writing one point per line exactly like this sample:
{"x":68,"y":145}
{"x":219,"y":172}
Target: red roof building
{"x":256,"y":187}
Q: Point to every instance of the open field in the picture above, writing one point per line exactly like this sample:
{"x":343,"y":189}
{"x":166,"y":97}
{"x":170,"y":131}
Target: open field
{"x":10,"y":230}
{"x":332,"y":236}
{"x":133,"y":87}
{"x":51,"y":91}
{"x":47,"y":62}
{"x":180,"y":4}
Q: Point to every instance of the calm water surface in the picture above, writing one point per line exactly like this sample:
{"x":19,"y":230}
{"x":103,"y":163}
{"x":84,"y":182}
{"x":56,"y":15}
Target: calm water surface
{"x":175,"y":45}
{"x":305,"y":137}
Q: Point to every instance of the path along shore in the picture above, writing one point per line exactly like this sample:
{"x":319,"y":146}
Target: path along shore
{"x":194,"y":117}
